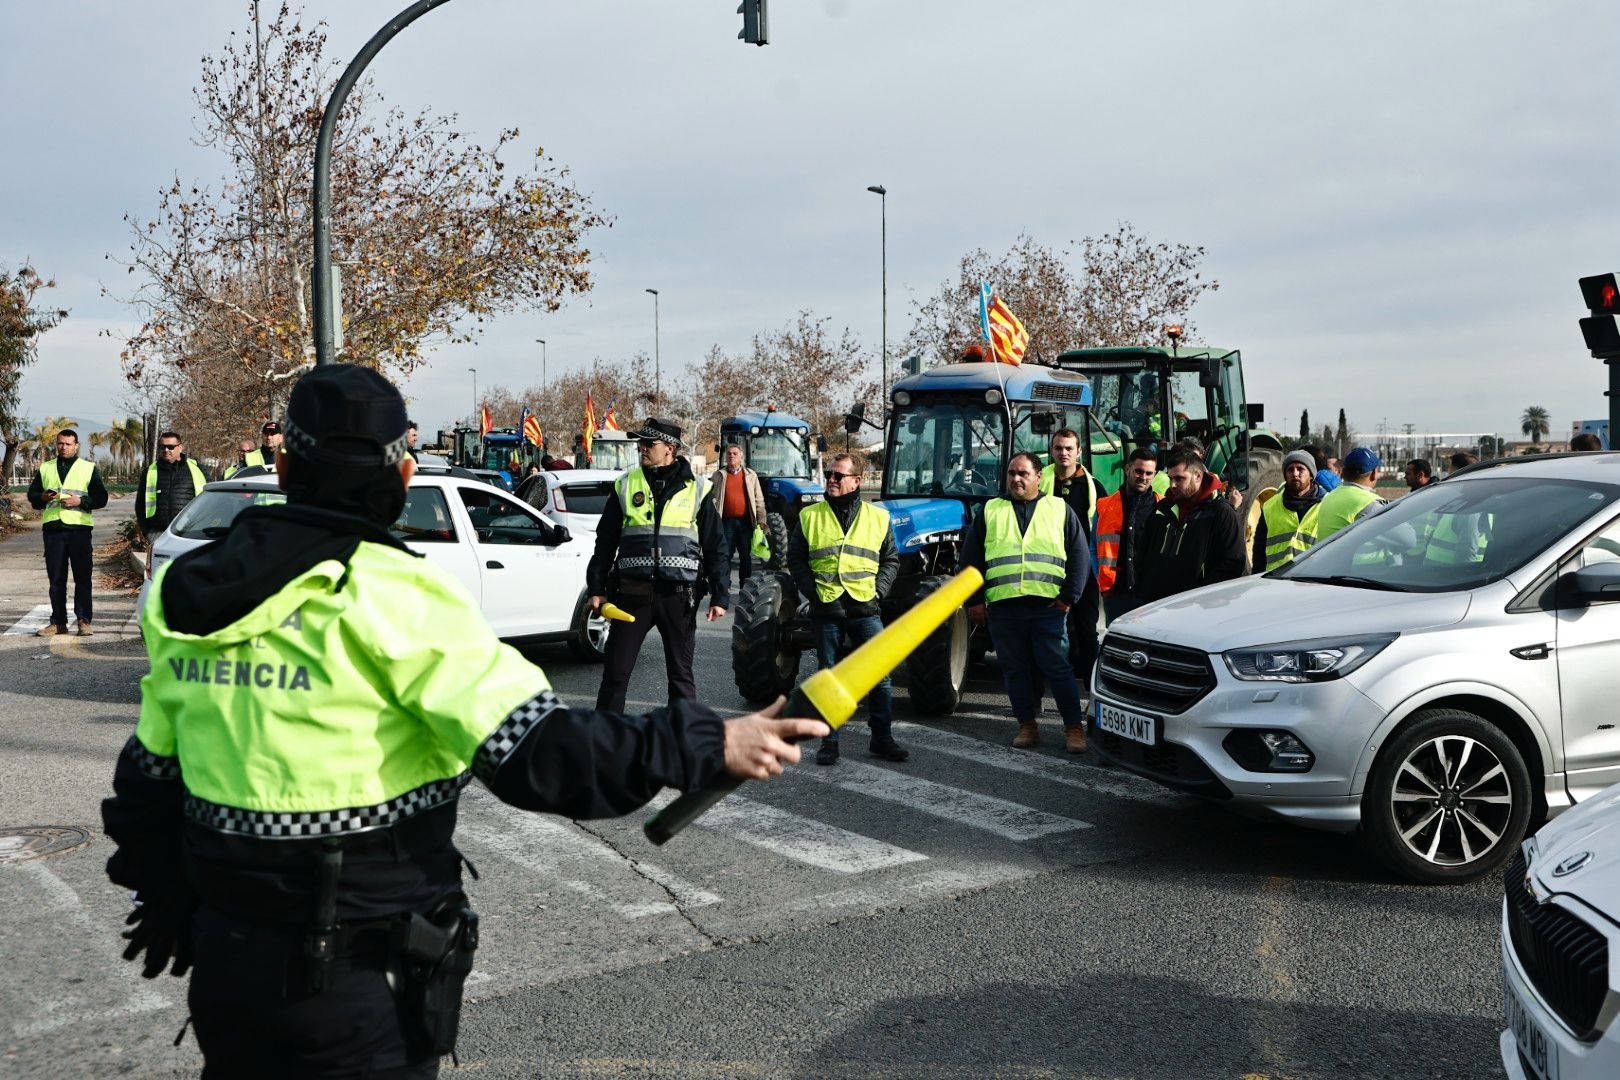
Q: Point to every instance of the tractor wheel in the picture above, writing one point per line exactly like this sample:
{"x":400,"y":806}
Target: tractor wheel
{"x":764,"y":660}
{"x":776,"y":526}
{"x":1265,"y":471}
{"x":936,"y":671}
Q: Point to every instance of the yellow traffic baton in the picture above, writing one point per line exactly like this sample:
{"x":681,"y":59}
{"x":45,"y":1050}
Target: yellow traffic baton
{"x":616,"y":613}
{"x":831,"y":694}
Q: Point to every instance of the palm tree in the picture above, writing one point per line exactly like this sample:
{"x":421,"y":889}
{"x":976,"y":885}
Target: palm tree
{"x":1534,"y":423}
{"x":126,"y":439}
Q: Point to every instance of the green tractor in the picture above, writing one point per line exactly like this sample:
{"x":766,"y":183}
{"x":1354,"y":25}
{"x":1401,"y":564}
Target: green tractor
{"x":1147,"y":396}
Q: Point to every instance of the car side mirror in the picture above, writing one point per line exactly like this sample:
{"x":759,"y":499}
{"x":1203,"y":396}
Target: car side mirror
{"x":1595,"y":584}
{"x":1209,"y":373}
{"x":854,"y":418}
{"x":1256,"y":413}
{"x":821,"y":443}
{"x":560,"y":534}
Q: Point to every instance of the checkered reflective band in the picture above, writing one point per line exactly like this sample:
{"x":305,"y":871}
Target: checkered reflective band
{"x":494,"y":751}
{"x":306,"y":445}
{"x":300,"y":824}
{"x":153,"y":765}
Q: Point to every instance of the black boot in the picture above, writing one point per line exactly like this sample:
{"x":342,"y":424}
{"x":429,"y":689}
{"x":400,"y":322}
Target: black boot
{"x":828,"y":754}
{"x":883,"y":746}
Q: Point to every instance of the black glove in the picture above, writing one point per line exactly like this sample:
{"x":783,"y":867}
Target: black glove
{"x":827,"y":609}
{"x":162,"y":930}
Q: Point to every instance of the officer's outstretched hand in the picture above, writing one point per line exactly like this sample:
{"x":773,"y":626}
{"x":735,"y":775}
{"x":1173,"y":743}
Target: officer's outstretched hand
{"x":757,"y":746}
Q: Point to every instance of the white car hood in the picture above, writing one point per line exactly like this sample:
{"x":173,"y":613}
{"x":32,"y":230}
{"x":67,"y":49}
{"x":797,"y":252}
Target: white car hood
{"x":1591,"y":827}
{"x":1263,"y":611}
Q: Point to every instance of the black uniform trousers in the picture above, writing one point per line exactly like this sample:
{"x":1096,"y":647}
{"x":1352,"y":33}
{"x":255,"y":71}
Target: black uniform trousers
{"x":254,"y":1016}
{"x":68,"y":548}
{"x":1083,"y":637}
{"x":675,"y":617}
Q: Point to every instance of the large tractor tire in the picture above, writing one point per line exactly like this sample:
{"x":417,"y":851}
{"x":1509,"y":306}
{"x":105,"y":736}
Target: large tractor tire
{"x":1265,"y":471}
{"x":936,"y":671}
{"x":777,"y":529}
{"x":764,"y":659}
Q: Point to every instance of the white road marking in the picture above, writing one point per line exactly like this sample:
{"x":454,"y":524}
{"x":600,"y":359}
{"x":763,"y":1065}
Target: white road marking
{"x":61,"y":903}
{"x":803,"y":839}
{"x":1011,"y":820}
{"x":132,"y":628}
{"x":930,"y":885}
{"x":1119,"y":785}
{"x":35,"y":620}
{"x":551,"y":848}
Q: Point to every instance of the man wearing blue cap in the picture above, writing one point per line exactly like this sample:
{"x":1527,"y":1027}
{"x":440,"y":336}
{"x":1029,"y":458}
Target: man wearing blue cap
{"x":1347,"y":502}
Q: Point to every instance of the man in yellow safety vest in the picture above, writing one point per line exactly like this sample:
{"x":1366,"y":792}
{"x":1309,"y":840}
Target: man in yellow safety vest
{"x":66,"y":490}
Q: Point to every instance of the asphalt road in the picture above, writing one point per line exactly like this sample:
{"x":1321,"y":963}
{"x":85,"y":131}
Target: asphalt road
{"x":975,"y":911}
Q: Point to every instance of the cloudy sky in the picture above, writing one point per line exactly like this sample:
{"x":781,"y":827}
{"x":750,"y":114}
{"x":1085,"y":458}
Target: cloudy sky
{"x":1397,"y":198}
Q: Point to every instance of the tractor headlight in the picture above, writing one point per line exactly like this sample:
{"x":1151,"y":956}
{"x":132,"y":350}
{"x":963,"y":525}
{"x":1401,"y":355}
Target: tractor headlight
{"x":1316,"y":660}
{"x":902,"y":398}
{"x":992,"y":397}
{"x":809,"y":497}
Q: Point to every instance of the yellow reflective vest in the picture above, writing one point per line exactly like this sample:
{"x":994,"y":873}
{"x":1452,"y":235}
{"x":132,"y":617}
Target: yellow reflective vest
{"x":1030,"y":563}
{"x":844,"y":562}
{"x":77,"y":482}
{"x":667,"y":549}
{"x":198,"y":480}
{"x":1049,"y":487}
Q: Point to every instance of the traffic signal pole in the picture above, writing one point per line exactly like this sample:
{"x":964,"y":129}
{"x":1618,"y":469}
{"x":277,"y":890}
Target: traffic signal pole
{"x":325,"y":302}
{"x":1601,"y":293}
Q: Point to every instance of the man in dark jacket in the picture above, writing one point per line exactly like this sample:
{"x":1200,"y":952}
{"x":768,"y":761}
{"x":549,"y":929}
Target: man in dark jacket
{"x":166,"y":487}
{"x":1194,"y":537}
{"x":843,"y":559}
{"x":66,"y":490}
{"x":1277,"y":524}
{"x":1122,"y":521}
{"x":657,"y":544}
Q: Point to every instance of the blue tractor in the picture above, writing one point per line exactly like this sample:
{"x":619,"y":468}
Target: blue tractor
{"x":781,"y":450}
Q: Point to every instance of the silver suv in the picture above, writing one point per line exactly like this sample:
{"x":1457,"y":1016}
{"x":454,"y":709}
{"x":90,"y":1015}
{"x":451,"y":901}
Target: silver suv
{"x":1442,"y":676}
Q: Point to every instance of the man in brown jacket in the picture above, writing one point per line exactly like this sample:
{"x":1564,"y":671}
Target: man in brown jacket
{"x":740,"y":501}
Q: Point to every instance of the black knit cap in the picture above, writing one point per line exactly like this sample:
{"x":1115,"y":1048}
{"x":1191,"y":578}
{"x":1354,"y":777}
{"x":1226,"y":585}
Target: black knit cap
{"x":346,"y":415}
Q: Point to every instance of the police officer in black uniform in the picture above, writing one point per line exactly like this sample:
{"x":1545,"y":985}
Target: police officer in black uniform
{"x":285,"y":807}
{"x":659,"y":547}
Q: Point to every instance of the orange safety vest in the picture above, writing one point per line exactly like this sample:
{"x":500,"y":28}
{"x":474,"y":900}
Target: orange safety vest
{"x":1110,"y":528}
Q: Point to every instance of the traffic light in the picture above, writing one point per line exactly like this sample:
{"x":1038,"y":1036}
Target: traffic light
{"x":1599,"y":329}
{"x":754,"y":30}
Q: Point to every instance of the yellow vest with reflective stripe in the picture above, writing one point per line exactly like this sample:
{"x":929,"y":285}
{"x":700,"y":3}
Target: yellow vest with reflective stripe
{"x":1282,"y":529}
{"x":668,"y":549}
{"x":1445,"y":546}
{"x":844,"y":562}
{"x":1341,"y":506}
{"x":1049,"y":487}
{"x":197,"y":479}
{"x":77,"y":483}
{"x":1031,"y":563}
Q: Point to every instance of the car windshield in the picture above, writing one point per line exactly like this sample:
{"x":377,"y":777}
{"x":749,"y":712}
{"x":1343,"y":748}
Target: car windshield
{"x":498,"y":456}
{"x":1453,"y":536}
{"x":614,"y":454}
{"x":211,"y":513}
{"x":779,"y":453}
{"x":946,"y":448}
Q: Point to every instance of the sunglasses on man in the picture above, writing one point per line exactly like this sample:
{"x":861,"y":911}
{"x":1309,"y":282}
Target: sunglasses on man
{"x":168,"y":446}
{"x":831,"y":476}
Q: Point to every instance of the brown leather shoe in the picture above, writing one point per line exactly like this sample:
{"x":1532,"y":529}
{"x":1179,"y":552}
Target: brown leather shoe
{"x":50,"y":630}
{"x":1074,"y":739}
{"x":1028,"y":735}
{"x":84,"y":629}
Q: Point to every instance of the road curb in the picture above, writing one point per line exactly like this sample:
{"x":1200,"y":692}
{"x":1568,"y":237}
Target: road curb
{"x":137,"y":559}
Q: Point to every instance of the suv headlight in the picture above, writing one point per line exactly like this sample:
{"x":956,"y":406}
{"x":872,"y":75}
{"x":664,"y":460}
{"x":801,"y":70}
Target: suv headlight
{"x":1316,"y":660}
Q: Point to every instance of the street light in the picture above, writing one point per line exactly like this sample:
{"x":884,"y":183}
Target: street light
{"x":883,"y":199}
{"x":658,"y":370}
{"x":542,"y":342}
{"x":476,"y":419}
{"x":324,"y":295}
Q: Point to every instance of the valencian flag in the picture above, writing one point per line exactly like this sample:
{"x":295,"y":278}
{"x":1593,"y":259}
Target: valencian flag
{"x":530,"y":427}
{"x":1007,"y":337}
{"x":485,"y":424}
{"x":590,"y":425}
{"x":610,"y":422}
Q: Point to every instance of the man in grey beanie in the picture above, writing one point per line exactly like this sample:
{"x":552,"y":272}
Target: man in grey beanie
{"x":1282,"y":513}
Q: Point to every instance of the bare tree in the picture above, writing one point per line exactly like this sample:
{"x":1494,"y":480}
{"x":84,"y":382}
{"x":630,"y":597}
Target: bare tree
{"x":432,"y":233}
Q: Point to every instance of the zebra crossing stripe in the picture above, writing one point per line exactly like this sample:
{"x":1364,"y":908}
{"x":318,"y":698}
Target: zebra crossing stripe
{"x":549,"y":848}
{"x":1011,"y":820}
{"x":803,"y":839}
{"x":34,"y":621}
{"x":1030,"y":763}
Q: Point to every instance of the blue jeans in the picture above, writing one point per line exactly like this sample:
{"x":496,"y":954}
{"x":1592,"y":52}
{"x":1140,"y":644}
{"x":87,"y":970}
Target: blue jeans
{"x":1030,"y":639}
{"x":859,"y":629}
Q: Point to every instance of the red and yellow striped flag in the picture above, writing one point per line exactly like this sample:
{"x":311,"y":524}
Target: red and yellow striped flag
{"x":531,"y":430}
{"x":1008,"y":338}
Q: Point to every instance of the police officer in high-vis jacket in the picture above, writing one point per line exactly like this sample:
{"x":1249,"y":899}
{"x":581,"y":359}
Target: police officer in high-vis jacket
{"x":285,"y":808}
{"x":843,"y":560}
{"x":659,"y":548}
{"x":66,"y":491}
